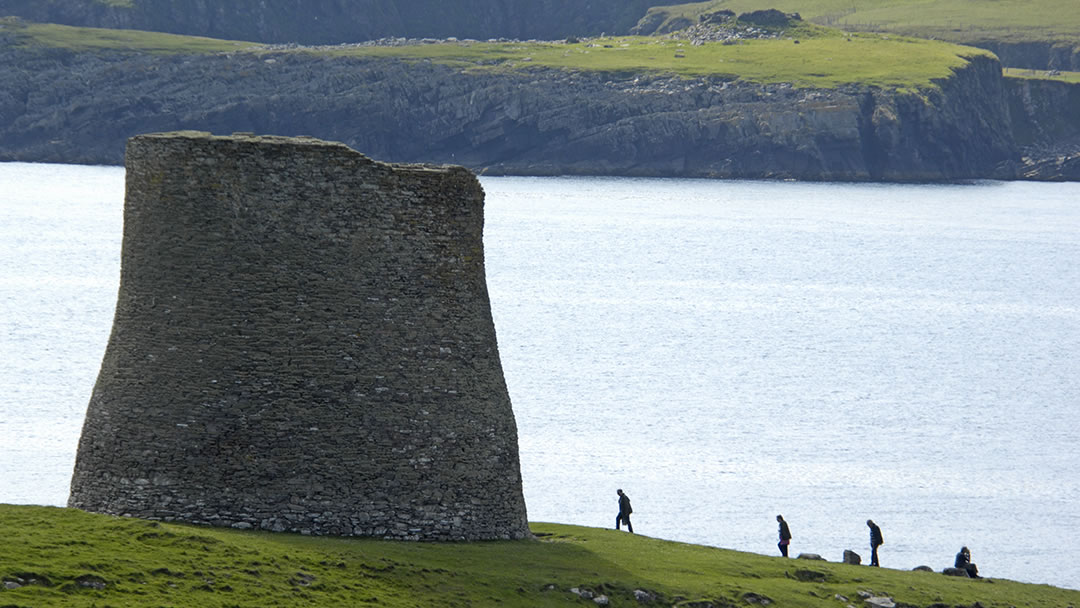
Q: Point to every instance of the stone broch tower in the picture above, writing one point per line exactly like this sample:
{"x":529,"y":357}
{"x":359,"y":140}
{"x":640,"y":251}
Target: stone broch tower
{"x":303,"y":341}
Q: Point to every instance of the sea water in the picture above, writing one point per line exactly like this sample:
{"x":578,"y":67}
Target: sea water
{"x":723,"y":351}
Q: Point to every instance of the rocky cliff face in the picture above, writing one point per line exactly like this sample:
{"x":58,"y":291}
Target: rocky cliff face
{"x":334,"y":21}
{"x":1046,"y":123}
{"x":58,"y":106}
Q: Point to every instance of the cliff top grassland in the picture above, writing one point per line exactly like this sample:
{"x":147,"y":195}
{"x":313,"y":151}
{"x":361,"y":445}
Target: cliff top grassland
{"x":91,"y":39}
{"x":1062,"y":76}
{"x":821,"y":61}
{"x":64,"y":557}
{"x":808,"y":56}
{"x":961,"y":21}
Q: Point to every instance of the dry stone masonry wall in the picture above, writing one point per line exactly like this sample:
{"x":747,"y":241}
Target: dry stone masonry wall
{"x":302,"y":342}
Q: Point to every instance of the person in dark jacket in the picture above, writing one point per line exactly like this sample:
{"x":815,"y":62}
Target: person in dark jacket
{"x":624,"y":512}
{"x":876,"y":540}
{"x":963,"y":561}
{"x":785,"y":536}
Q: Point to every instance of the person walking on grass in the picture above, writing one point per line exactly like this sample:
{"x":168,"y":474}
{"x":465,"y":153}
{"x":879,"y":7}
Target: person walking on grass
{"x":876,"y":540}
{"x":624,"y":512}
{"x":785,"y":536}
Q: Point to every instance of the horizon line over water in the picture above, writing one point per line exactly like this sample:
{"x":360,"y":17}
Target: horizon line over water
{"x":724,"y":351}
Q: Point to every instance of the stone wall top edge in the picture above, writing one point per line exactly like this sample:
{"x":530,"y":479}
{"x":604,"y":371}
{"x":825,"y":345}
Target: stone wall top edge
{"x":298,"y":140}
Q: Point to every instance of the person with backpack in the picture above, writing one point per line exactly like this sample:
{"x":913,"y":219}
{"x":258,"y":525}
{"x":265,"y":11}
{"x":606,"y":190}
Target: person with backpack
{"x":785,"y":536}
{"x":876,"y":540}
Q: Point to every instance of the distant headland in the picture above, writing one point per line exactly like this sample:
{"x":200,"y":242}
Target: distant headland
{"x":700,"y":91}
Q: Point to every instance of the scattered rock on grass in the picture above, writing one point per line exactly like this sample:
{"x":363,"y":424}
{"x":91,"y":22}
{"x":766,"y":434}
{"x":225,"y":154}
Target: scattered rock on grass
{"x":755,"y":598}
{"x":582,"y":593}
{"x":810,"y":576}
{"x":90,"y":581}
{"x":643,"y":596}
{"x":813,"y":556}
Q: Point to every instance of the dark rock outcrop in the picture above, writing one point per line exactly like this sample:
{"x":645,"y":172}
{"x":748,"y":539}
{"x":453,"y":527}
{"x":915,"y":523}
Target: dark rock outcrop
{"x":769,"y":17}
{"x":60,"y":106}
{"x":1045,"y":115}
{"x":334,"y":21}
{"x":718,"y":17}
{"x":659,"y":22}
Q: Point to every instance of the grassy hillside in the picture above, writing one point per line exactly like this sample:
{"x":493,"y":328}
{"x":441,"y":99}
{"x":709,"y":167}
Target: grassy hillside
{"x":63,"y":557}
{"x":956,"y":20}
{"x":823,"y":61}
{"x":100,"y":39}
{"x":821,"y":57}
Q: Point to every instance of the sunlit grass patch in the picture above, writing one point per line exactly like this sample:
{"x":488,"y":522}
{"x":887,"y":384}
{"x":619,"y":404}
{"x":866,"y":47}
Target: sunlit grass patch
{"x":1057,"y":76}
{"x":825,"y":61}
{"x":100,"y":39}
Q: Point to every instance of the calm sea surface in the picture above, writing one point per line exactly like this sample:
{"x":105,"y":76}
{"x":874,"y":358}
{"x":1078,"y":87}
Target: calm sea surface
{"x":723,"y":351}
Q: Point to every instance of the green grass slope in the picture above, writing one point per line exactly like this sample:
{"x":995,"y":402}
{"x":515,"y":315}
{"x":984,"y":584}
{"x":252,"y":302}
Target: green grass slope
{"x":62,"y":557}
{"x":89,"y":39}
{"x":821,"y":58}
{"x":822,"y":61}
{"x":956,"y":20}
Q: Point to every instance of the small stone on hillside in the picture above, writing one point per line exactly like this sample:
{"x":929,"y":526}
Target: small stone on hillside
{"x":643,"y":596}
{"x":810,"y":576}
